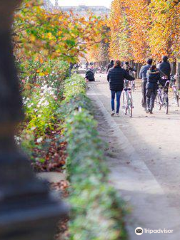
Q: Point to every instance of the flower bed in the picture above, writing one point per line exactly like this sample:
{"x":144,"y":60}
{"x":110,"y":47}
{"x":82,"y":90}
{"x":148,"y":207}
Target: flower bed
{"x":97,"y":211}
{"x":40,"y":134}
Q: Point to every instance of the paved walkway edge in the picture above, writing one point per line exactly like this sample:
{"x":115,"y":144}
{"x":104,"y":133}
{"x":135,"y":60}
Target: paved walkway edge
{"x":123,"y":140}
{"x":148,"y":183}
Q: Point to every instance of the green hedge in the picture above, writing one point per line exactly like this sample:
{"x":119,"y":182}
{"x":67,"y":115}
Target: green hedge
{"x":41,"y":104}
{"x":97,"y":211}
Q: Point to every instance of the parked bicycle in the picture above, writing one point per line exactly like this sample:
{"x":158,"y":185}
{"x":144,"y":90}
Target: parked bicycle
{"x":162,"y":97}
{"x":174,"y":89}
{"x":130,"y":84}
{"x":127,"y":101}
{"x":133,"y":86}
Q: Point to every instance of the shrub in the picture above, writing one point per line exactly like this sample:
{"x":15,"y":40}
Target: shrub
{"x":40,"y":110}
{"x":33,"y":73}
{"x":41,"y":102}
{"x":97,"y":211}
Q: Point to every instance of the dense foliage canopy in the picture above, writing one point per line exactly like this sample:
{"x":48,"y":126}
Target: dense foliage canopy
{"x":40,"y":34}
{"x":144,"y":27}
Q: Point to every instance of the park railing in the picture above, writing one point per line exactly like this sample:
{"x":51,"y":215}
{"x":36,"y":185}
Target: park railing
{"x":28,"y":210}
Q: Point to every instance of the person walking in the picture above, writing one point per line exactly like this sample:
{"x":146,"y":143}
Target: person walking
{"x":115,"y":77}
{"x":128,"y":68}
{"x":110,"y":65}
{"x":153,"y":77}
{"x":130,"y":71}
{"x":143,"y":76}
{"x":165,"y":70}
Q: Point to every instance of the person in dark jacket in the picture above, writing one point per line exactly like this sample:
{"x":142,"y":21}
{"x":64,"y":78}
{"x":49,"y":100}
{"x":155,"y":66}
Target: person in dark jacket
{"x":153,"y":77}
{"x":90,"y":75}
{"x":143,"y":76}
{"x":128,"y":68}
{"x":110,"y":65}
{"x":115,"y":77}
{"x":130,"y":71}
{"x":165,"y":70}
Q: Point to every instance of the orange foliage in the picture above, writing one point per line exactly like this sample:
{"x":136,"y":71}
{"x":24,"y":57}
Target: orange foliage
{"x":40,"y":34}
{"x":143,"y":28}
{"x":98,"y":52}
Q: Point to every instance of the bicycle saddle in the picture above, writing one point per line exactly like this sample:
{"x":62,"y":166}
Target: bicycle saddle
{"x":127,"y":89}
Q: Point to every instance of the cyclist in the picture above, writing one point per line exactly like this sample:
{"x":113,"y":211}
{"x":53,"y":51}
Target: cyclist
{"x":165,"y":70}
{"x":143,"y":76}
{"x":129,"y":70}
{"x":153,"y":77}
{"x":165,"y":67}
{"x":115,"y":77}
{"x":110,"y":65}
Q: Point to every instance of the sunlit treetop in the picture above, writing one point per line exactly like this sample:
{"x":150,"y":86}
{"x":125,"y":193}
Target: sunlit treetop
{"x":42,"y":34}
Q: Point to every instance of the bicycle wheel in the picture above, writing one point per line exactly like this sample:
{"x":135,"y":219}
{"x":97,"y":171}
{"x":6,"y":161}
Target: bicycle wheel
{"x":176,"y":94}
{"x":126,"y":99}
{"x":130,"y":110}
{"x":123,"y":106}
{"x":177,"y":99}
{"x":166,"y":104}
{"x":133,"y":86}
{"x":159,"y":102}
{"x":130,"y":105}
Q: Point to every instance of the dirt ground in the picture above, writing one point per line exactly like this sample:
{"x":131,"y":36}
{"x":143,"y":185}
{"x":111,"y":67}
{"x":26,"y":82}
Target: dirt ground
{"x":144,"y":162}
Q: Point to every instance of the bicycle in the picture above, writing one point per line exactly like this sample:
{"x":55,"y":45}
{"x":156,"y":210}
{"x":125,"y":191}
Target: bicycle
{"x":133,"y":86}
{"x":174,"y":89}
{"x":127,"y":101}
{"x":162,"y":95}
{"x":128,"y":83}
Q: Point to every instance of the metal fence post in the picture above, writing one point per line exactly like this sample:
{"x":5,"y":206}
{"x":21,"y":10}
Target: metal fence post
{"x":28,"y":210}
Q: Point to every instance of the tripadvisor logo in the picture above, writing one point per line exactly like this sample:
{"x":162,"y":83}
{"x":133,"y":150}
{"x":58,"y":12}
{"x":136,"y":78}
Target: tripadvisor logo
{"x":139,"y":231}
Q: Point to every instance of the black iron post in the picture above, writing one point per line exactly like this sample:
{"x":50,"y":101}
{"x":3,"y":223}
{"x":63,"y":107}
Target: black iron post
{"x":28,"y":210}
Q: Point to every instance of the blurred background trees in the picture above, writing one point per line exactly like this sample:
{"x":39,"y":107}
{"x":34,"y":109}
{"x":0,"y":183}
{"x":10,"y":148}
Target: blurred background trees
{"x":145,"y":28}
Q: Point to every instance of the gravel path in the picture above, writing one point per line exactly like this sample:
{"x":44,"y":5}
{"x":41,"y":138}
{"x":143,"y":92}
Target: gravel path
{"x":144,"y":159}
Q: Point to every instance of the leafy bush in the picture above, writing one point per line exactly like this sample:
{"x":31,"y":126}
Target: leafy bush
{"x":41,"y":102}
{"x":40,"y":109}
{"x":74,"y":87}
{"x":33,"y":73}
{"x":97,"y":212}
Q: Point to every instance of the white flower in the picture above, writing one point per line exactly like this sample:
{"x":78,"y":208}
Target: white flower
{"x":17,"y":139}
{"x":30,"y":105}
{"x":39,"y":140}
{"x":46,"y":103}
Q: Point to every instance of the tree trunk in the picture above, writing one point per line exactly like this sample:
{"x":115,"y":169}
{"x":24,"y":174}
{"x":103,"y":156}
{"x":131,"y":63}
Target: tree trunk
{"x":138,"y":68}
{"x":178,"y":74}
{"x":173,"y":67}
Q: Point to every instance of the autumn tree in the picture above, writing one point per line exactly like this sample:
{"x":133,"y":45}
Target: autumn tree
{"x":99,"y":51}
{"x":119,"y":45}
{"x":143,"y":28}
{"x":139,"y":23}
{"x":164,"y":35}
{"x":42,"y":34}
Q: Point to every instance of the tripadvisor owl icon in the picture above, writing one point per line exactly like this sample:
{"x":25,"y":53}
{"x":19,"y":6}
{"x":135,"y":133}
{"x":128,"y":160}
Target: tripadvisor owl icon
{"x":139,"y":231}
